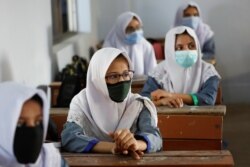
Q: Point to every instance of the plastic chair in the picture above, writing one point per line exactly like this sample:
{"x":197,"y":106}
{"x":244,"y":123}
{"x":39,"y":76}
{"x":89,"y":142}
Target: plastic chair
{"x":159,"y":51}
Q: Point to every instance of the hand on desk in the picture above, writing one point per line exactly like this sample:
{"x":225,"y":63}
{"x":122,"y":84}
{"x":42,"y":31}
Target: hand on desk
{"x":159,"y":93}
{"x":163,"y":98}
{"x":125,"y":143}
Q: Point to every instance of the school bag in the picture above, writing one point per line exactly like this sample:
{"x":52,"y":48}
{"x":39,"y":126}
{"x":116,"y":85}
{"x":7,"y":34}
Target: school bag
{"x":73,"y":78}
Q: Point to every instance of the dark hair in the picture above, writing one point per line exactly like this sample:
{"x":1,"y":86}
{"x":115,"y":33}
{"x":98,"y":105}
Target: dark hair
{"x":122,"y":56}
{"x":184,"y":33}
{"x":37,"y":99}
{"x":134,"y":17}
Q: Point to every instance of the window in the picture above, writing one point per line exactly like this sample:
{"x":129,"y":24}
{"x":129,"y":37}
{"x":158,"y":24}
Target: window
{"x":69,"y":17}
{"x":62,"y":13}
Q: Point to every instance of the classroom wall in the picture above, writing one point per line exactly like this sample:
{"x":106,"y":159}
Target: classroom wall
{"x":229,"y":20}
{"x":25,"y":41}
{"x":27,"y":52}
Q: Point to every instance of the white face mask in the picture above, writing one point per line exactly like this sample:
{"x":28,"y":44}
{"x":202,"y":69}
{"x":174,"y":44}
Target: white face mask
{"x":192,"y":21}
{"x":186,"y":58}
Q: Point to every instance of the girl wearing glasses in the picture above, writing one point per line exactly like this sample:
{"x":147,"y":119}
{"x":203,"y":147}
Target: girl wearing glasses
{"x":106,"y":117}
{"x":127,"y":35}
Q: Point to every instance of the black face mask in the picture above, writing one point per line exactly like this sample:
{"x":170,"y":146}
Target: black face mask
{"x":119,"y":91}
{"x":27,"y":143}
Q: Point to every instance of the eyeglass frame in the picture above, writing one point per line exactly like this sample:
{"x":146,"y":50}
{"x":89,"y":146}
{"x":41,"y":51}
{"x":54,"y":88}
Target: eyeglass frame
{"x":130,"y":72}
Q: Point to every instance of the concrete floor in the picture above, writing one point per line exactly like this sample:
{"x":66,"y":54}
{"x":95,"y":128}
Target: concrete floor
{"x":237,"y":133}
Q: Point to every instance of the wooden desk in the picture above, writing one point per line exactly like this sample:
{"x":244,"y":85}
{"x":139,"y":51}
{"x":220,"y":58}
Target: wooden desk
{"x":187,"y":128}
{"x":54,"y":87}
{"x":165,"y":158}
{"x":191,"y":127}
{"x":137,"y":85}
{"x":59,"y":116}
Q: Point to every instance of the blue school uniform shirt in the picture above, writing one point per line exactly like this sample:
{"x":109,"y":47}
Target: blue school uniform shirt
{"x":208,"y":49}
{"x":82,"y":140}
{"x":206,"y":95}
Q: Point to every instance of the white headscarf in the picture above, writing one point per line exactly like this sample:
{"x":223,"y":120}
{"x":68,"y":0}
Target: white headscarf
{"x":203,"y":31}
{"x":104,"y":114}
{"x":141,"y":54}
{"x":12,"y":98}
{"x":175,"y":78}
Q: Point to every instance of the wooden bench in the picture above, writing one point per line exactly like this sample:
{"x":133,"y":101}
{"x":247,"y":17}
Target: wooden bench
{"x":191,"y":127}
{"x":164,"y":158}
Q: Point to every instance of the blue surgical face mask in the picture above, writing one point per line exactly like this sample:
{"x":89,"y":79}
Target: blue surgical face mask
{"x":134,"y":37}
{"x":186,"y":58}
{"x":192,"y":21}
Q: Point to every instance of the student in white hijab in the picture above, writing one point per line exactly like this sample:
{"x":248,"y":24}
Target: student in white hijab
{"x":189,"y":14}
{"x":183,"y":77}
{"x":24,"y":115}
{"x":106,"y":117}
{"x":127,"y":35}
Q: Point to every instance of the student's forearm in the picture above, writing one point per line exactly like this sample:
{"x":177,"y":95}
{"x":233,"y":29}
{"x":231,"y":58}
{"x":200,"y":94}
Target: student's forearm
{"x":104,"y":147}
{"x":187,"y":99}
{"x":142,"y":145}
{"x":108,"y":147}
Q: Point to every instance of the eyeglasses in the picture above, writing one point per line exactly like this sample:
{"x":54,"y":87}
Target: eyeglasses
{"x":113,"y":78}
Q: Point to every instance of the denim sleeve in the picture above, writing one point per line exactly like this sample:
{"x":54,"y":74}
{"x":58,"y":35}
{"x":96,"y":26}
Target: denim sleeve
{"x":148,"y":132}
{"x":208,"y":49}
{"x":208,"y":92}
{"x":149,"y":86}
{"x":74,"y":139}
{"x":64,"y":163}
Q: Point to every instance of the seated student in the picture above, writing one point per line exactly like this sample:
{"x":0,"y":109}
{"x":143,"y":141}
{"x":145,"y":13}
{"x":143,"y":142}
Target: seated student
{"x":183,"y":76}
{"x":24,"y":117}
{"x":127,"y":35}
{"x":189,"y":14}
{"x":106,"y":117}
